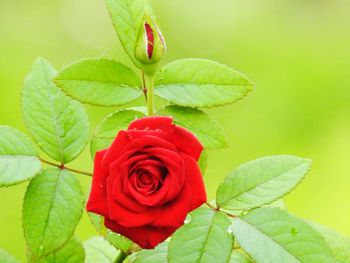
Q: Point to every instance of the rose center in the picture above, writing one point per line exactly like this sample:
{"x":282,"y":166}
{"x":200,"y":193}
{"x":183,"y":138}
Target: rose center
{"x":144,"y":177}
{"x":147,"y":179}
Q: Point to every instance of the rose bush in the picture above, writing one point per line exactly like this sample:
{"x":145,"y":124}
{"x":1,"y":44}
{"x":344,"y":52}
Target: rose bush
{"x":147,"y":181}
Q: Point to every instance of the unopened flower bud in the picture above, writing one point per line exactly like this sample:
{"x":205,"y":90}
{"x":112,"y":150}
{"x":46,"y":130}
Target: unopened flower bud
{"x":150,"y":46}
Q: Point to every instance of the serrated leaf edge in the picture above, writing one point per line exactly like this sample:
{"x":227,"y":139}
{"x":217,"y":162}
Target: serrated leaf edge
{"x":249,"y":86}
{"x":70,"y":236}
{"x":90,"y":103}
{"x":31,"y":135}
{"x":287,"y":193}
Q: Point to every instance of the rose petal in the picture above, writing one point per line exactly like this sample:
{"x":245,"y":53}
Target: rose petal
{"x":144,"y":188}
{"x":155,"y":167}
{"x":154,"y":199}
{"x":186,"y":142}
{"x":170,"y":159}
{"x":135,"y":134}
{"x":194,"y":179}
{"x":97,"y":202}
{"x":173,"y":182}
{"x":116,"y":149}
{"x":125,"y":210}
{"x":146,"y":237}
{"x":126,"y":217}
{"x":148,"y":139}
{"x":174,"y":213}
{"x":121,"y":192}
{"x":116,"y":191}
{"x":153,"y":123}
{"x":162,"y":127}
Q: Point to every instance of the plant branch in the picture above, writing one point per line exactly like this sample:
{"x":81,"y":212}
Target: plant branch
{"x":218,"y":209}
{"x":120,"y":257}
{"x":144,"y":88}
{"x":62,"y":166}
{"x":149,"y":86}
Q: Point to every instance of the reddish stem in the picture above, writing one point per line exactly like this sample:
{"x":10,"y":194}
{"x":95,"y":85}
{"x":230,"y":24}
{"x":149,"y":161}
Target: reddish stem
{"x":62,"y":166}
{"x":219,"y":210}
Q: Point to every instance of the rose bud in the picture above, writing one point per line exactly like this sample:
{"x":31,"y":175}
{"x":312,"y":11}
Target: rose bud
{"x":148,"y":180}
{"x":150,"y":46}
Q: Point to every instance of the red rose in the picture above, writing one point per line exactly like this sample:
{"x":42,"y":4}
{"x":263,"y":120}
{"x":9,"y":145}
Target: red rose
{"x":147,"y":181}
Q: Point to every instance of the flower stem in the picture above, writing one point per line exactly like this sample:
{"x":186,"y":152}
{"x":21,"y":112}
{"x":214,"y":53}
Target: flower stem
{"x":149,"y":85}
{"x":120,"y":257}
{"x":218,"y":209}
{"x":144,"y":88}
{"x":62,"y":166}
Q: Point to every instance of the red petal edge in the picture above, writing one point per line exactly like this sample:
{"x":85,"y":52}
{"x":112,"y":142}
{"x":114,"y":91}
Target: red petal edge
{"x":146,"y":237}
{"x":97,"y":202}
{"x":153,"y":123}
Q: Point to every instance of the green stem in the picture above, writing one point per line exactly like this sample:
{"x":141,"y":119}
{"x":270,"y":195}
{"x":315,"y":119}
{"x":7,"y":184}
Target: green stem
{"x":120,"y":257}
{"x":144,"y":89}
{"x":218,"y":209}
{"x":149,"y":84}
{"x":62,"y":166}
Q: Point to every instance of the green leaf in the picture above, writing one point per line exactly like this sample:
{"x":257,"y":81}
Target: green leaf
{"x":239,"y":257}
{"x":59,"y":124}
{"x":338,"y":243}
{"x":204,"y":239}
{"x":72,"y":252}
{"x":6,"y":258}
{"x":127,"y":16}
{"x":156,"y":255}
{"x":273,"y":235}
{"x":110,"y":126}
{"x":202,"y":162}
{"x":18,"y":158}
{"x":118,"y":241}
{"x":261,"y":181}
{"x":198,"y":122}
{"x":99,"y":250}
{"x":101,"y":82}
{"x":279,"y":203}
{"x":52,"y":208}
{"x":200,"y":83}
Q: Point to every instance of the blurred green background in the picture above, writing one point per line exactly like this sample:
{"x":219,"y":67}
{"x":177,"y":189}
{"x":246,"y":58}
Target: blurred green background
{"x":297,"y":53}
